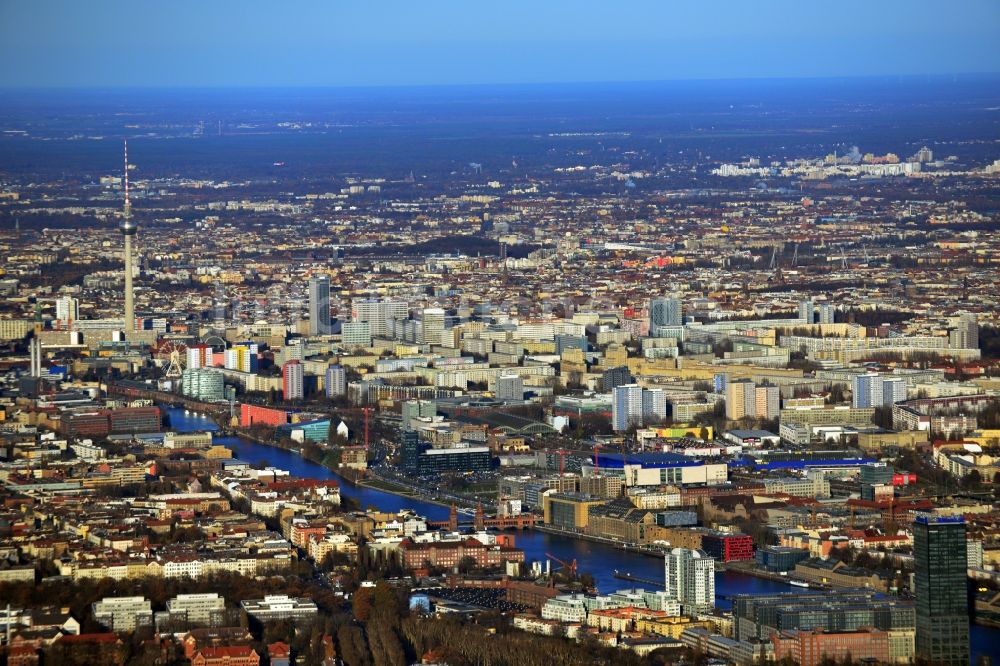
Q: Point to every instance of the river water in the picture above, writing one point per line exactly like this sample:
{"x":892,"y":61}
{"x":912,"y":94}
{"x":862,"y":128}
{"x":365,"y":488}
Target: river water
{"x":598,"y":559}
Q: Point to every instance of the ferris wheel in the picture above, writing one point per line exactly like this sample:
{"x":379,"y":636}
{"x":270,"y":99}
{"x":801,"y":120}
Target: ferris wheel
{"x":172,"y":356}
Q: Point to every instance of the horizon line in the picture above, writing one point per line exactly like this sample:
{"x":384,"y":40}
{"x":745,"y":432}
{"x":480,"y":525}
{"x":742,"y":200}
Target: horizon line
{"x":377,"y":86}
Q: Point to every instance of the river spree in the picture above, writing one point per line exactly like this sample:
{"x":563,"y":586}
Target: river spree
{"x":599,"y":560}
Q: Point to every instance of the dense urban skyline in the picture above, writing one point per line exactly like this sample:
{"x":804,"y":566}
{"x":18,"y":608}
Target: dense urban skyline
{"x":630,"y":373}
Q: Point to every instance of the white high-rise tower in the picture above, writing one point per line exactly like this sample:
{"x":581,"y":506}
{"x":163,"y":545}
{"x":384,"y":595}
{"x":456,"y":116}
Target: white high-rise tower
{"x":128,"y":229}
{"x":690,"y":579}
{"x":67,"y":311}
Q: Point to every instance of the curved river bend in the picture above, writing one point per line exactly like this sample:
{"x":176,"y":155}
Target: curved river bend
{"x":599,"y":560}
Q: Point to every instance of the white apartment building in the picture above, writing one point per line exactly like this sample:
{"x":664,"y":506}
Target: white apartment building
{"x":123,"y":613}
{"x":565,"y":608}
{"x":690,"y":579}
{"x":203,"y":608}
{"x":378,"y":313}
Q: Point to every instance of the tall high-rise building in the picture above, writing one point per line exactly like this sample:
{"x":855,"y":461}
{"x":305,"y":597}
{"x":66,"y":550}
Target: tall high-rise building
{"x":410,"y":449}
{"x":335,"y":381}
{"x":665,"y":312}
{"x":242,"y":357}
{"x":744,"y":398}
{"x":806,"y":311}
{"x":720,"y":382}
{"x":379,"y":314}
{"x":626,"y":407}
{"x":293,"y":350}
{"x":826,"y":313}
{"x":874,"y":390}
{"x":965,"y":335}
{"x":319,"y":305}
{"x":199,"y":356}
{"x":893,"y":390}
{"x":433,"y":326}
{"x":67,"y":311}
{"x":416,"y":409}
{"x":767,"y":402}
{"x":616,"y":376}
{"x":940,"y":582}
{"x":292,"y":380}
{"x":654,"y":405}
{"x":738,"y":395}
{"x":509,"y":387}
{"x":356,"y":334}
{"x":128,"y":229}
{"x":690,"y":579}
{"x":867,"y":391}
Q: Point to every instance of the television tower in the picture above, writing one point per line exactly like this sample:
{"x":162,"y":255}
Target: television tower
{"x":128,"y":229}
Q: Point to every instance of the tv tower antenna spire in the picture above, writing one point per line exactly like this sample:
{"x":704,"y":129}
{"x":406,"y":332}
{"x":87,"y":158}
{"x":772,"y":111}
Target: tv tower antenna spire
{"x":128,"y":206}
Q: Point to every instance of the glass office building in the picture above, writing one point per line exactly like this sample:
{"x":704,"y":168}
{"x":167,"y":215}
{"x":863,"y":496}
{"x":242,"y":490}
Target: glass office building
{"x":941,"y":580}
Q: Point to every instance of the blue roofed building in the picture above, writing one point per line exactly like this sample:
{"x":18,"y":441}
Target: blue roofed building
{"x":656,"y":469}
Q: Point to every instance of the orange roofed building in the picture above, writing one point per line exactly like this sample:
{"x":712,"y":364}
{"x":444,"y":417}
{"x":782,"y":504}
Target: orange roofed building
{"x":240,"y":655}
{"x":448,"y":554}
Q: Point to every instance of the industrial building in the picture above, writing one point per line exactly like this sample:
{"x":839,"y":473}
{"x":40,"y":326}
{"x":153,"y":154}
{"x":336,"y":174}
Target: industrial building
{"x":657,"y":469}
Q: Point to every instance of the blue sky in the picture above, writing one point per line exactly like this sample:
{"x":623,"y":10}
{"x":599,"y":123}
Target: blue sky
{"x":416,"y":42}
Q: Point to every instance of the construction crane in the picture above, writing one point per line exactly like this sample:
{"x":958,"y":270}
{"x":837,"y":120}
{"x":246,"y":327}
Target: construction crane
{"x":562,"y":460}
{"x":597,"y":459}
{"x":569,"y":567}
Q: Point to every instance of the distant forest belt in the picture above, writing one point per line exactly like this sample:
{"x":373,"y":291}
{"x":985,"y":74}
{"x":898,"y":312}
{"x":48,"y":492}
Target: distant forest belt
{"x":468,"y":245}
{"x":59,"y":274}
{"x":37,"y":222}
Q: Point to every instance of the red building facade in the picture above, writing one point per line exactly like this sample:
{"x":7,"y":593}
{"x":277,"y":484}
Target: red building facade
{"x":728,"y":547}
{"x":255,"y":414}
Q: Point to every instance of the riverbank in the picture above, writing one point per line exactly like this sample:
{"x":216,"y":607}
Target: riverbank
{"x":238,"y":433}
{"x":405,"y":491}
{"x":618,"y":545}
{"x":371,"y":481}
{"x":384,"y":486}
{"x":747,"y":568}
